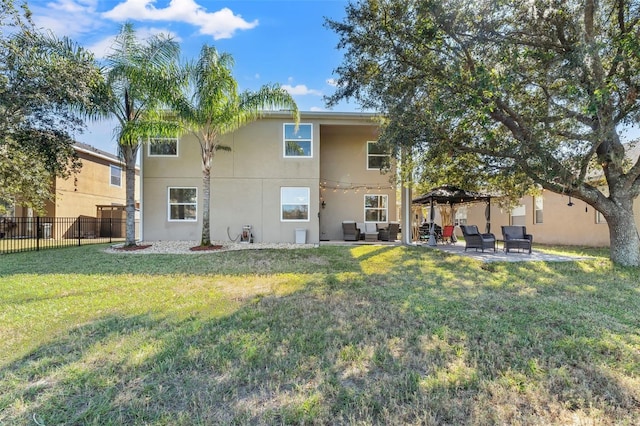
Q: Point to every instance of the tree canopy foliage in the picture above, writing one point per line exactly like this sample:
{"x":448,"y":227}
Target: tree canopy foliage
{"x":528,"y":92}
{"x":47,"y":86}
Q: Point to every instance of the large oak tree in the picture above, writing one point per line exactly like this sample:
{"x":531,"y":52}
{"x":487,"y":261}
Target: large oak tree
{"x":540,"y":89}
{"x":47,"y":86}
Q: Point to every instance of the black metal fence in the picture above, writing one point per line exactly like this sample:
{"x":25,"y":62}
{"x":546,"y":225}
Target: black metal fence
{"x":19,"y":234}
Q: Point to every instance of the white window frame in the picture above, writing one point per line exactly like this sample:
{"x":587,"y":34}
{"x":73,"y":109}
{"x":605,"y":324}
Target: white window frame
{"x":461,"y":216}
{"x":113,"y":167}
{"x":600,"y":218}
{"x":300,"y":139}
{"x":538,"y":207}
{"x":519,"y":212}
{"x":169,"y":204}
{"x":384,"y":209}
{"x":375,"y":155}
{"x":163,"y":139}
{"x":306,"y":201}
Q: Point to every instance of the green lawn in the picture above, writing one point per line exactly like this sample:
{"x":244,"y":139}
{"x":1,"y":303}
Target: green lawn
{"x":334,"y":335}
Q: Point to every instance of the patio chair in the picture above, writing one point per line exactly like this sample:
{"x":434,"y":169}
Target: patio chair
{"x":350,"y":231}
{"x":516,"y":237}
{"x":390,"y":233}
{"x":474,"y":239}
{"x":424,"y":231}
{"x":447,"y":234}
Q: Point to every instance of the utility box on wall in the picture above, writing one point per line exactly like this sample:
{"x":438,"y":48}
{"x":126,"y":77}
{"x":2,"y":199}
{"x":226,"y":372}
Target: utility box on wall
{"x":301,"y":236}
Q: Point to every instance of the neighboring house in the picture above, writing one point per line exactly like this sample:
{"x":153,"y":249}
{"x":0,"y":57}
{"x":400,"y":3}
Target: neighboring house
{"x":96,"y":191}
{"x":555,"y":218}
{"x":550,"y":219}
{"x":274,"y":179}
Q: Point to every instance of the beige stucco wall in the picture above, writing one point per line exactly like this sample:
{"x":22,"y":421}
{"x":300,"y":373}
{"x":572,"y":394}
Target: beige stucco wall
{"x":343,"y":161}
{"x":246,"y":181}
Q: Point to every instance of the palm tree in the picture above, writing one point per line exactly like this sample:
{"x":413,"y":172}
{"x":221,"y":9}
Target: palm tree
{"x":212,"y":107}
{"x":141,"y":78}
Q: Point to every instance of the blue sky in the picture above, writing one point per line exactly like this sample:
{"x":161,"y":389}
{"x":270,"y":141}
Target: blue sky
{"x":271,"y":41}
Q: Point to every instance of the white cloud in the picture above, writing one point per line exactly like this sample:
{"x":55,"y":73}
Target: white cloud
{"x":221,"y":24}
{"x":317,"y":109}
{"x":332,"y":82}
{"x":67,"y":17}
{"x":300,"y":89}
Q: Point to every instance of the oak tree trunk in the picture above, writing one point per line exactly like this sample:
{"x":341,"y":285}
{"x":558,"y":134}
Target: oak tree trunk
{"x":624,"y":238}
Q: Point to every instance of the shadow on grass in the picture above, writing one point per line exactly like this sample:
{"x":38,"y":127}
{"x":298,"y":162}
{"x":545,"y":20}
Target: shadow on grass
{"x":399,"y":337}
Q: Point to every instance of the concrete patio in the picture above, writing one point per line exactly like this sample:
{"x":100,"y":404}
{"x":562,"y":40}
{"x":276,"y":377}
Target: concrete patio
{"x":499,"y":255}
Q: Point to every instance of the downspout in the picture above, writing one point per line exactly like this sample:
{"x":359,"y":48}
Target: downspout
{"x":405,"y":201}
{"x":141,"y":227}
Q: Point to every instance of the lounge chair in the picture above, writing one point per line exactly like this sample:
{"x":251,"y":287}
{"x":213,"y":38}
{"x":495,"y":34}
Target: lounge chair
{"x":516,"y":237}
{"x":350,"y":231}
{"x":390,"y":233}
{"x":474,"y":239}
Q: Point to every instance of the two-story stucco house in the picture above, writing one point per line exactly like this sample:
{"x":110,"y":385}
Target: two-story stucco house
{"x":277,"y":179}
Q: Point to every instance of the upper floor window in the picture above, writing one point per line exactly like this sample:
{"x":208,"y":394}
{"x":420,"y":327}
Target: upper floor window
{"x":375,"y":207}
{"x":183,"y":204}
{"x":298,"y":143}
{"x":163,"y":147}
{"x":538,"y":205}
{"x":116,"y":176}
{"x":294,"y":204}
{"x":600,"y":217}
{"x":376,"y":156}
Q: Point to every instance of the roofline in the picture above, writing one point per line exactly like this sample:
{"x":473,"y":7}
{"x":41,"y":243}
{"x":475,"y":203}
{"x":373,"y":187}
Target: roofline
{"x":95,"y":152}
{"x":323,"y":114}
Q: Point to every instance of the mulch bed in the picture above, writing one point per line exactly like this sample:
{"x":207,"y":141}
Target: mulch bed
{"x":133,"y":248}
{"x":207,"y":248}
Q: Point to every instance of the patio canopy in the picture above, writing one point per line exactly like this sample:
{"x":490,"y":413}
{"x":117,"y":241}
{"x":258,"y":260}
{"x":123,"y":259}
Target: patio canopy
{"x":450,"y":195}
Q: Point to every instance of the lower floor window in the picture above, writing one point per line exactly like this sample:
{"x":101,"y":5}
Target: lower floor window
{"x":183,"y":204}
{"x":294,"y":204}
{"x":375,"y":208}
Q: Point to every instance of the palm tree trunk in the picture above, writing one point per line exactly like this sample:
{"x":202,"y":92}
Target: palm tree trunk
{"x":206,"y":208}
{"x":129,"y":153}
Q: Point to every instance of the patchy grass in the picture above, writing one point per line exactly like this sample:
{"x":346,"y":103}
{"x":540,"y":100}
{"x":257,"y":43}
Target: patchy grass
{"x":340,"y":335}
